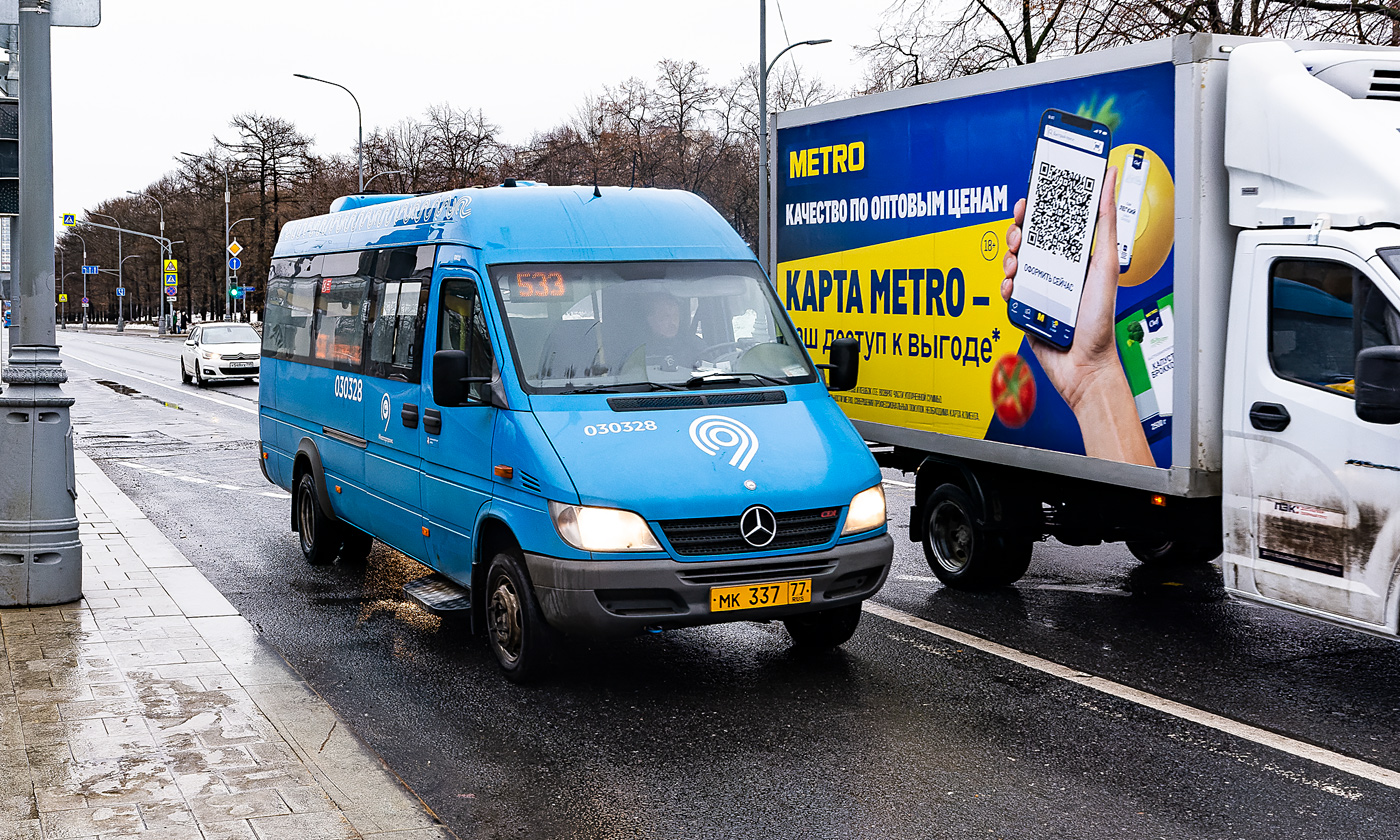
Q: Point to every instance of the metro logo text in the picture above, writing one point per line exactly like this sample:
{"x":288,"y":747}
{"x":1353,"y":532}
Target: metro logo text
{"x":825,"y":160}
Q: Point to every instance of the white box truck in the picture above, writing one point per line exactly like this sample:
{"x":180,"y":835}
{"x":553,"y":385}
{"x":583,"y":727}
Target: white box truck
{"x":1218,"y":372}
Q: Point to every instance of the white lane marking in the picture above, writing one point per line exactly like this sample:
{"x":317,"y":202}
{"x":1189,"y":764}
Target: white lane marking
{"x":178,"y":390}
{"x":1327,"y":758}
{"x":276,"y":495}
{"x":228,"y":487}
{"x":916,"y":578}
{"x":193,"y":479}
{"x":891,"y":481}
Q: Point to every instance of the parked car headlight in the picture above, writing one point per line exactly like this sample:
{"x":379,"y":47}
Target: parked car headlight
{"x":209,"y":355}
{"x":867,"y":511}
{"x":602,"y":529}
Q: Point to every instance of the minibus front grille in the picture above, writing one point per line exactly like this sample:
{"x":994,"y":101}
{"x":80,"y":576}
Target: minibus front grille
{"x":757,"y":574}
{"x":662,"y":402}
{"x":720,"y":535}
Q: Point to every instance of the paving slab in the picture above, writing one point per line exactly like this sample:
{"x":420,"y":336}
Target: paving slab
{"x":152,"y":709}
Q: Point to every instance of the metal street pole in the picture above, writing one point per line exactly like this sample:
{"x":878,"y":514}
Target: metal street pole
{"x":764,"y":68}
{"x":164,"y":255}
{"x":211,"y":159}
{"x":85,"y":309}
{"x":121,"y":296}
{"x":359,"y":117}
{"x":38,"y":519}
{"x":62,"y":297}
{"x":227,"y":255}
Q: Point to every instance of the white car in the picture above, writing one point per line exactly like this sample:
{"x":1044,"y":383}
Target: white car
{"x":220,"y":351}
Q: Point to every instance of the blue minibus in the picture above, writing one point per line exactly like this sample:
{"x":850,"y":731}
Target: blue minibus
{"x":584,"y":409}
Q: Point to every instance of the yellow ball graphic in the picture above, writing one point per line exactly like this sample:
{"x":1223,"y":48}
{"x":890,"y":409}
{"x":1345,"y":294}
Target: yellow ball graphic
{"x":1156,"y":214}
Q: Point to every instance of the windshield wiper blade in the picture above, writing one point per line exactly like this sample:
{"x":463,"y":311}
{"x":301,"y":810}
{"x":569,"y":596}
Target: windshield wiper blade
{"x":613,"y":389}
{"x":708,"y":378}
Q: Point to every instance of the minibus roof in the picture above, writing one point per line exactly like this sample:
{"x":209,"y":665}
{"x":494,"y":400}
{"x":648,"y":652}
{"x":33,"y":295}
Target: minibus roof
{"x":529,"y":224}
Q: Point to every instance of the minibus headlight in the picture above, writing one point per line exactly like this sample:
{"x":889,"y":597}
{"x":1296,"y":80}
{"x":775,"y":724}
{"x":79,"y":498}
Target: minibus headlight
{"x":602,"y":529}
{"x":867,"y":511}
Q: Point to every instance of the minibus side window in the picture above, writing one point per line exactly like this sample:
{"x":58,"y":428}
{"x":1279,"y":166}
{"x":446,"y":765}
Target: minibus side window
{"x":291,"y":297}
{"x":462,"y":326}
{"x":398,"y":303}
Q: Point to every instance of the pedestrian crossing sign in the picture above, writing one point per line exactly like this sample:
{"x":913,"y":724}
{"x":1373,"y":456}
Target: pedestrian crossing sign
{"x":172,"y":266}
{"x":70,"y":219}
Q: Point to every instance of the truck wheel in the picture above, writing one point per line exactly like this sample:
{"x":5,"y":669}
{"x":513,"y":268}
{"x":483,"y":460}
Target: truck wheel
{"x":963,"y":555}
{"x":824,"y":629}
{"x":1175,"y":552}
{"x":521,"y":639}
{"x":320,"y":538}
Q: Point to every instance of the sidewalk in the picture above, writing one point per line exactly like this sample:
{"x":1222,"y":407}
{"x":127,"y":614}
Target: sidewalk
{"x":151,"y":708}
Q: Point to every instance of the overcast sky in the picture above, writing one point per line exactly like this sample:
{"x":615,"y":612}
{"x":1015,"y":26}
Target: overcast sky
{"x":163,"y":76}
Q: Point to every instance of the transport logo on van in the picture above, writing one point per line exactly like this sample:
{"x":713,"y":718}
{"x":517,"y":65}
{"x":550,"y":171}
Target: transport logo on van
{"x":350,"y":388}
{"x":714,"y":433}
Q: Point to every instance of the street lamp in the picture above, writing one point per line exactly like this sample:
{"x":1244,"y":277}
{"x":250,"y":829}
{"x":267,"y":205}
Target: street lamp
{"x":84,"y":241}
{"x":359,"y":116}
{"x":380,"y":175}
{"x":764,"y":70}
{"x":121,"y":322}
{"x":226,"y":226}
{"x":164,"y":249}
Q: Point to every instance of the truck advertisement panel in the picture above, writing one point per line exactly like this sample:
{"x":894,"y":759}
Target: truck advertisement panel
{"x":893,"y":228}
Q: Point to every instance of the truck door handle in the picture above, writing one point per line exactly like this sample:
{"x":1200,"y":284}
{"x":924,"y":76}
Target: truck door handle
{"x":409,"y":415}
{"x":432,"y":421}
{"x":1269,"y":417}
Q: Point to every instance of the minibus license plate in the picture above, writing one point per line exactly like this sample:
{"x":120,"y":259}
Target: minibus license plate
{"x":755,"y":595}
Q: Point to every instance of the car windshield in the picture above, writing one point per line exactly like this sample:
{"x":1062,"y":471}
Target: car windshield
{"x":647,"y":326}
{"x":232,"y":334}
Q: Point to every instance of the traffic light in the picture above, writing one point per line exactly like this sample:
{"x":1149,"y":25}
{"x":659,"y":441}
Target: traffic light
{"x":9,"y":156}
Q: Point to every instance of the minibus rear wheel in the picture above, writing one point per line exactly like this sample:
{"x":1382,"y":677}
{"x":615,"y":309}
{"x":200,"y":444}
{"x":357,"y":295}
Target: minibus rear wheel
{"x":320,"y":537}
{"x":518,"y":633}
{"x":824,"y":629}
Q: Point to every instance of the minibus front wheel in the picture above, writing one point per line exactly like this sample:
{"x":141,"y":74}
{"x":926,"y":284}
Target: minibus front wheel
{"x":519,"y":635}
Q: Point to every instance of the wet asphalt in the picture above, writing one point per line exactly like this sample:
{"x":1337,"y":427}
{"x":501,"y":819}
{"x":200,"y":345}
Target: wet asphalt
{"x":723,"y":732}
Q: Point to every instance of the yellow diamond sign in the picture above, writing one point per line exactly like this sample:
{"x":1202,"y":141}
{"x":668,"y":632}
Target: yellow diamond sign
{"x":234,"y":248}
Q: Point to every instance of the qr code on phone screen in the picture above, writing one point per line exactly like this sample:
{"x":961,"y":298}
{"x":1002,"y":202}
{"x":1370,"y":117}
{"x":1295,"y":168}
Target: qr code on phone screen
{"x":1063,"y":201}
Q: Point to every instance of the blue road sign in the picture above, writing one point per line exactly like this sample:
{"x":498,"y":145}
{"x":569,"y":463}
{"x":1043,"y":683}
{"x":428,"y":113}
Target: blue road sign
{"x":89,"y":269}
{"x":236,"y":292}
{"x":121,"y":292}
{"x":235,"y":263}
{"x":85,"y":301}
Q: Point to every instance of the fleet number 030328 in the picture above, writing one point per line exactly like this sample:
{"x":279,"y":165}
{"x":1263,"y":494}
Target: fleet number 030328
{"x":619,"y":428}
{"x":755,"y":595}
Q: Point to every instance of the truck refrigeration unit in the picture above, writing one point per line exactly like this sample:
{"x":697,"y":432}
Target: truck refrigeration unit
{"x":1204,"y":361}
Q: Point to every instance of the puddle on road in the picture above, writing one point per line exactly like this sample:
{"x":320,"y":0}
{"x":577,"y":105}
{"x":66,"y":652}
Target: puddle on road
{"x":128,"y":391}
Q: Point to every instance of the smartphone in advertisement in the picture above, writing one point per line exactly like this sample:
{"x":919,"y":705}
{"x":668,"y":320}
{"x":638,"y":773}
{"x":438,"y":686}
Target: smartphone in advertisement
{"x":1071,"y":156}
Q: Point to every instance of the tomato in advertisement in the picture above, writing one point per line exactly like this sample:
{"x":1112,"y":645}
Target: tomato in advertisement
{"x":1013,"y":390}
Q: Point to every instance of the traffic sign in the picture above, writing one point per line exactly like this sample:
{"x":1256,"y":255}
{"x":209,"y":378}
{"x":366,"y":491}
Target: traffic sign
{"x":172,"y":266}
{"x":247,"y":288}
{"x":121,"y":292}
{"x":62,"y":297}
{"x":89,"y":269}
{"x":85,"y":301}
{"x":170,"y":295}
{"x":234,"y":248}
{"x":172,"y":280}
{"x":70,"y":219}
{"x":234,"y":262}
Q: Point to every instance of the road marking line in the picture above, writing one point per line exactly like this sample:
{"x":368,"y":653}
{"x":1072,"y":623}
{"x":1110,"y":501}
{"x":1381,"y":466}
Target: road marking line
{"x":898,"y":483}
{"x":68,"y":352}
{"x":276,"y":495}
{"x":1337,"y":761}
{"x":228,"y":487}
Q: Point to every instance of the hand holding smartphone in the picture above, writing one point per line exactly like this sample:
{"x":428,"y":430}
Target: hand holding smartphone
{"x":1071,"y":156}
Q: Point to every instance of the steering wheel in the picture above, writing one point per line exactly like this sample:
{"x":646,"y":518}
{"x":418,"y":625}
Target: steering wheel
{"x":725,"y":347}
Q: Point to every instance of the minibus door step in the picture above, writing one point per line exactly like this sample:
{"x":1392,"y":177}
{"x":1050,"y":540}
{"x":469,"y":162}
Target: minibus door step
{"x":439,"y":595}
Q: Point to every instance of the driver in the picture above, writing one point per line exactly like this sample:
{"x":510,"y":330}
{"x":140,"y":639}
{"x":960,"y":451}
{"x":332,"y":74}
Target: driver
{"x":667,"y":343}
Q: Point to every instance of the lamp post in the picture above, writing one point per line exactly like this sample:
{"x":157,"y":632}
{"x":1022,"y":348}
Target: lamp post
{"x":164,"y":250}
{"x":764,"y":70}
{"x":359,"y":117}
{"x":226,"y":227}
{"x":380,"y":175}
{"x":63,"y":303}
{"x":121,"y":322}
{"x":84,"y":241}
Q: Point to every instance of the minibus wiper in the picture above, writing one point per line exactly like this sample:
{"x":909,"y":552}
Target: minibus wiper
{"x":613,"y":389}
{"x":705,"y":379}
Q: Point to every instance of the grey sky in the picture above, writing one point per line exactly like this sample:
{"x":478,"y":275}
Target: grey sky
{"x":163,"y":76}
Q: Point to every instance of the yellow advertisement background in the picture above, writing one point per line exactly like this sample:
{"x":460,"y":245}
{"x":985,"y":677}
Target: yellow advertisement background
{"x":934,"y":394}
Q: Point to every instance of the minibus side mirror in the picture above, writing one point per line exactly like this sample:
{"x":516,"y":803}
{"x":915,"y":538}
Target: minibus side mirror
{"x":450,"y":379}
{"x":845,"y":365}
{"x":1378,"y":384}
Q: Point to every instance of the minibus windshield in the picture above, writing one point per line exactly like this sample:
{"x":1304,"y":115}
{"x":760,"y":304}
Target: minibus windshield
{"x":602,"y":327}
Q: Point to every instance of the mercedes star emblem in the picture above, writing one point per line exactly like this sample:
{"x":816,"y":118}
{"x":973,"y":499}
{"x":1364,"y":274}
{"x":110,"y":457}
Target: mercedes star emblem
{"x":758,"y":526}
